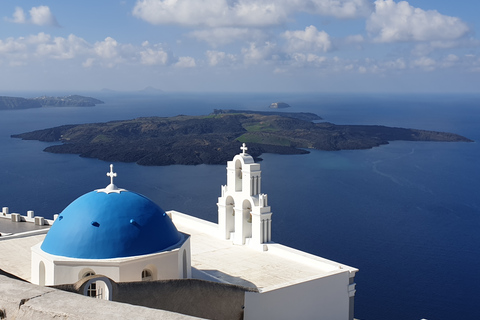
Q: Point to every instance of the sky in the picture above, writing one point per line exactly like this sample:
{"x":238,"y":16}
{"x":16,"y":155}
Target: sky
{"x":341,"y":46}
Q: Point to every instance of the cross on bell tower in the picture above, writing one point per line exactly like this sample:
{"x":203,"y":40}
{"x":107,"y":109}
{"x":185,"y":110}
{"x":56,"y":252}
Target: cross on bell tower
{"x":244,"y":148}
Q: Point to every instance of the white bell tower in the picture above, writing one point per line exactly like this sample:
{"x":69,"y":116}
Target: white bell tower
{"x":243,"y":212}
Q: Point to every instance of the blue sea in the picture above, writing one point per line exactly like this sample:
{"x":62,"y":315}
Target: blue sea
{"x":407,"y":214}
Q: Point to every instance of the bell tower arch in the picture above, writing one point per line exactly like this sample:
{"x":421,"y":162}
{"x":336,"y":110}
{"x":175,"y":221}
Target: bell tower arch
{"x":241,"y":198}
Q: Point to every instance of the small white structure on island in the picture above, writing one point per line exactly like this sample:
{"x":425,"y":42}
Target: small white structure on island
{"x":116,"y":234}
{"x":113,"y":232}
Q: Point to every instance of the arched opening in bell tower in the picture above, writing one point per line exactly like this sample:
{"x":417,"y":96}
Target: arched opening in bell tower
{"x":238,"y":175}
{"x":247,"y":219}
{"x":230,"y":215}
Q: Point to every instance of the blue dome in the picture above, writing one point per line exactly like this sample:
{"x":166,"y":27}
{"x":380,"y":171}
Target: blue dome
{"x":100,"y":225}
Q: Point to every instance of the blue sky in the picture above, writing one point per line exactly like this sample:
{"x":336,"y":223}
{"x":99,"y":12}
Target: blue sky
{"x":240,"y":45}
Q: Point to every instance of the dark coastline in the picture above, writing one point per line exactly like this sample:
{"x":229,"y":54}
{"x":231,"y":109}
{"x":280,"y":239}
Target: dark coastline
{"x":13,"y":103}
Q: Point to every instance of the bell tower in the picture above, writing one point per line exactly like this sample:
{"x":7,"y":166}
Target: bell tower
{"x":243,"y":212}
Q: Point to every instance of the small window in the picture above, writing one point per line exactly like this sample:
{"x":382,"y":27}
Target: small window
{"x":147,"y":275}
{"x":92,"y":290}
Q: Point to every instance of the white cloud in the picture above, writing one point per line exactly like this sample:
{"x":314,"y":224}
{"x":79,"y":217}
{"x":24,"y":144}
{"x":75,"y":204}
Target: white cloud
{"x":241,"y":13}
{"x":223,"y":36}
{"x":255,"y":54}
{"x":106,"y":49}
{"x":39,"y":38}
{"x":425,"y":63}
{"x":398,"y":64}
{"x":300,"y":59}
{"x":153,"y":56}
{"x":337,"y":8}
{"x":450,"y":61}
{"x":215,"y":58}
{"x":393,"y":22}
{"x":309,"y":40}
{"x":18,"y":16}
{"x":11,"y":45}
{"x":88,"y":63}
{"x":303,"y":49}
{"x":60,"y":48}
{"x":212,"y":13}
{"x":423,"y":49}
{"x":41,"y":16}
{"x":106,"y":53}
{"x":452,"y":58}
{"x":185,"y":62}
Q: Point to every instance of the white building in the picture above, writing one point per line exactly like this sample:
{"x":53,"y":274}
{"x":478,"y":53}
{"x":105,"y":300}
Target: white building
{"x":126,"y":237}
{"x":113,"y":232}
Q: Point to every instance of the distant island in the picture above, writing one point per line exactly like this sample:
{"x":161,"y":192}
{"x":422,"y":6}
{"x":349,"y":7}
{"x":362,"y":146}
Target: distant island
{"x":279,"y":105}
{"x":215,"y":138}
{"x":12,"y":103}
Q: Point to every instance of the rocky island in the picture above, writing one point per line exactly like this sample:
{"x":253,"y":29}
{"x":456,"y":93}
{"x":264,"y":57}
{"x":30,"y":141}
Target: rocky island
{"x":215,"y":138}
{"x":68,"y":101}
{"x":12,"y":103}
{"x":279,"y":105}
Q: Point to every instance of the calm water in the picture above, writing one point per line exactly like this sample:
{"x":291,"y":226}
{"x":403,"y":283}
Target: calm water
{"x":406,"y":214}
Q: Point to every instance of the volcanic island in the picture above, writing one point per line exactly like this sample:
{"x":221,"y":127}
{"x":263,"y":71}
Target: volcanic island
{"x":214,"y":138}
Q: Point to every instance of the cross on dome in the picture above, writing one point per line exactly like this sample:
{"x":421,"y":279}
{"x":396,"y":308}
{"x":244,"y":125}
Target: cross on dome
{"x":244,"y":148}
{"x":111,"y":174}
{"x":111,"y":188}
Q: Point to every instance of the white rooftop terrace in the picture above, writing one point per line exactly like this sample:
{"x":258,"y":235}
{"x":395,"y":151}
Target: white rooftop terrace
{"x":15,"y":254}
{"x":277,"y":267}
{"x":212,"y":258}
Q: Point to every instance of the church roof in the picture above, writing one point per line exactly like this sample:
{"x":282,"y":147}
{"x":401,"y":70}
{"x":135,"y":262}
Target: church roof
{"x":110,"y":223}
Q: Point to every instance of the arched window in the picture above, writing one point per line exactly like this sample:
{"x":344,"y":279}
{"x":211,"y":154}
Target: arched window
{"x":98,"y":287}
{"x":92,"y":288}
{"x":147,"y":275}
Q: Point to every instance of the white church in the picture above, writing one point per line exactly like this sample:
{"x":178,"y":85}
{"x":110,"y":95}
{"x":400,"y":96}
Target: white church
{"x":112,"y":236}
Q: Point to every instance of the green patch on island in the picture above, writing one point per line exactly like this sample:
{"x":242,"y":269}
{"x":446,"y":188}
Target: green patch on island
{"x":256,"y":137}
{"x":260,"y":126}
{"x":101,"y":138}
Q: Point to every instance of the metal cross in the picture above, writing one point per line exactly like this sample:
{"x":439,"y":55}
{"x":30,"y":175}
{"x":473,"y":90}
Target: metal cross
{"x":111,"y":174}
{"x":243,"y":148}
